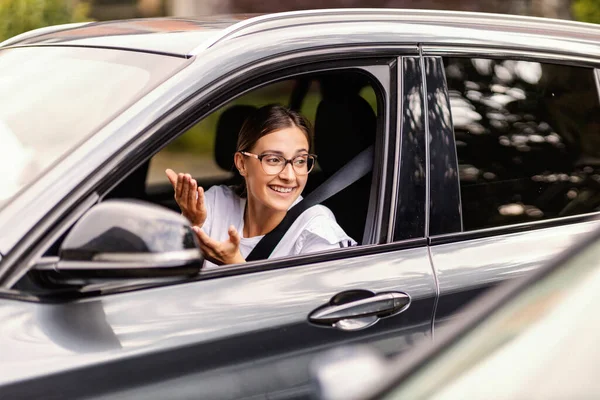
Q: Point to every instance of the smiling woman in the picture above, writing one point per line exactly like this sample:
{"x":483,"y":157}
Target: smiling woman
{"x":231,"y":221}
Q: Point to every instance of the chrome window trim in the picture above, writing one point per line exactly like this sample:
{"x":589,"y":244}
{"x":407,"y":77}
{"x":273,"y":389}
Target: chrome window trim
{"x":508,"y":229}
{"x":159,"y":258}
{"x":496,"y":52}
{"x":119,"y":261}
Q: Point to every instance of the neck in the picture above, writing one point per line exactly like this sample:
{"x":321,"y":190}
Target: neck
{"x":260,"y":220}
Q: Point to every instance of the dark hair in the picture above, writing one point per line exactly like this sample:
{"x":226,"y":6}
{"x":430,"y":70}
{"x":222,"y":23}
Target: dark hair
{"x":268,"y":119}
{"x":265,"y":120}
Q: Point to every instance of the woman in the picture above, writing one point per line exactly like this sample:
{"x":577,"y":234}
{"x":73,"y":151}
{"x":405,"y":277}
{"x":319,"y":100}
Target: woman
{"x":273,"y":158}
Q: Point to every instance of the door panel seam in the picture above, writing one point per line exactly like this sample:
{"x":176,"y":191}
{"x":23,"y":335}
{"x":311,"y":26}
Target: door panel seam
{"x":437,"y":292}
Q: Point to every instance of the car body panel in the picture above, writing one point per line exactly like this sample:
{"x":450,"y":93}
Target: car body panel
{"x":465,"y":268}
{"x":40,"y":339}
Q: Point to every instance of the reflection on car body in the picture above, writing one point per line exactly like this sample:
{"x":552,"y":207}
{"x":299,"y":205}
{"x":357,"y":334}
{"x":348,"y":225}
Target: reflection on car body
{"x":481,"y":173}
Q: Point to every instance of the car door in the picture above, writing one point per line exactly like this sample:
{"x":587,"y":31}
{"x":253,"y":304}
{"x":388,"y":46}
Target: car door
{"x":514,"y":150}
{"x":243,"y":332}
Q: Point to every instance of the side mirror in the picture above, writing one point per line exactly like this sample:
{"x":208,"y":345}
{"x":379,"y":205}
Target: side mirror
{"x":126,"y":239}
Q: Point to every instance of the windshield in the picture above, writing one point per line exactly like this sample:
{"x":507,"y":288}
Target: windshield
{"x":54,"y":97}
{"x":540,"y":345}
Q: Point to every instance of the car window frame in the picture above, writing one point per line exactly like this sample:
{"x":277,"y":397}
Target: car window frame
{"x":448,"y":236}
{"x":158,"y":136}
{"x":264,"y":79}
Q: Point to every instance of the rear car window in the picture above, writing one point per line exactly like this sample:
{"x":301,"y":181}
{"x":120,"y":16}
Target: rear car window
{"x":527,"y":139}
{"x":54,"y":97}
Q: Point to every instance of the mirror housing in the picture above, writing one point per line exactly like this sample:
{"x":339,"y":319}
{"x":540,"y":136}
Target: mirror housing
{"x":126,"y":239}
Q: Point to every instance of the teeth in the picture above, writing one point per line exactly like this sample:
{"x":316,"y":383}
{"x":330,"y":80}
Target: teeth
{"x":281,"y":189}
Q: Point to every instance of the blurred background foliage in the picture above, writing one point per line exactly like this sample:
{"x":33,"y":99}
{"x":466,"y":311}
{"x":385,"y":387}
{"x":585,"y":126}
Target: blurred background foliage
{"x":586,"y":10}
{"x":18,"y":16}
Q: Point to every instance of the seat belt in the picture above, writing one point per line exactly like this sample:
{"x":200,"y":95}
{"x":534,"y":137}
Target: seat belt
{"x":355,"y":169}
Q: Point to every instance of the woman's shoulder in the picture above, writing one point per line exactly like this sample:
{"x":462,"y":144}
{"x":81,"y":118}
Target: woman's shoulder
{"x":222,"y":197}
{"x":221,"y":192}
{"x":320,"y":221}
{"x":318,"y":211}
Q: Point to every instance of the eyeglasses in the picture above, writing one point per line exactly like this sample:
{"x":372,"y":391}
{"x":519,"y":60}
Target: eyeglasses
{"x":273,"y":164}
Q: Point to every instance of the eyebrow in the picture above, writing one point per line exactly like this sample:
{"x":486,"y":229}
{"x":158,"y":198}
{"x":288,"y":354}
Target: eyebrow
{"x":280,"y":153}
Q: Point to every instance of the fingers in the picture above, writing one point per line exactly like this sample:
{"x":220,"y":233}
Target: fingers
{"x":172,"y":177}
{"x":204,"y":238}
{"x":200,"y":200}
{"x":234,"y":236}
{"x":192,"y":190}
{"x":186,"y":188}
{"x":179,"y":188}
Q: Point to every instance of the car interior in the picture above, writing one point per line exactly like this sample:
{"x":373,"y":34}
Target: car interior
{"x":342,"y":106}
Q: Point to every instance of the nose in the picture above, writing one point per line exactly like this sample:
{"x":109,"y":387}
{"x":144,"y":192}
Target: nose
{"x":287,"y":173}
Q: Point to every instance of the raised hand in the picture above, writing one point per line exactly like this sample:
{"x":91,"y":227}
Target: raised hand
{"x":189,"y":197}
{"x":220,"y":253}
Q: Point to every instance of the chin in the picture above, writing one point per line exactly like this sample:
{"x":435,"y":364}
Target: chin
{"x":279,"y":204}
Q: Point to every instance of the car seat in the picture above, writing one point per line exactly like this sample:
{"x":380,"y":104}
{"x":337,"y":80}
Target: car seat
{"x":344,"y":126}
{"x":228,"y":127}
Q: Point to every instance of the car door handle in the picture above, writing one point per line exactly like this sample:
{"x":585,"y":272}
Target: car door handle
{"x":359,"y":309}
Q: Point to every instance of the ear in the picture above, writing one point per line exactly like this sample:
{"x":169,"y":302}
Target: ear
{"x":240,"y":163}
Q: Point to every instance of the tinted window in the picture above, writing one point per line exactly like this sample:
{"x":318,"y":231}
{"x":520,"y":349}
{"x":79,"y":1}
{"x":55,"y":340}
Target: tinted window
{"x":528,"y":140}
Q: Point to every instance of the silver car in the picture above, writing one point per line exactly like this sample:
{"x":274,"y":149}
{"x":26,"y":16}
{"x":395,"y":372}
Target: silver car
{"x":486,"y":163}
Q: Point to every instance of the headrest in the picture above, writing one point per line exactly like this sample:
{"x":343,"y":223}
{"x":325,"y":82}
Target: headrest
{"x":229,"y":126}
{"x":343,"y":128}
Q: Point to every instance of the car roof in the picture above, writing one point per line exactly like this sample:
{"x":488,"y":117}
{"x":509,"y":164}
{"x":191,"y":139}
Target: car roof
{"x":160,"y":35}
{"x":188,"y":37}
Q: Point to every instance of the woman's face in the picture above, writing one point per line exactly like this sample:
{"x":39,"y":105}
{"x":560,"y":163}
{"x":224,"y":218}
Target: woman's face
{"x":276,"y":192}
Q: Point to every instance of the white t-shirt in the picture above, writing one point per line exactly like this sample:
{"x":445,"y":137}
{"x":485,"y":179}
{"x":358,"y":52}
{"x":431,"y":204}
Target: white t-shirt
{"x":314,"y":230}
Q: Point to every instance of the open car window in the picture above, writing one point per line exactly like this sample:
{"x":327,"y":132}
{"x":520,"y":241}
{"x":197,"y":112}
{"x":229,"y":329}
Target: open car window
{"x":206,"y":150}
{"x":342,"y":105}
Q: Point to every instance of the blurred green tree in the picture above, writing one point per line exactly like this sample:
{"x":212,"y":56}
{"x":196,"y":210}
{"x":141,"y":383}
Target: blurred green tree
{"x":18,"y":16}
{"x":586,"y":10}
